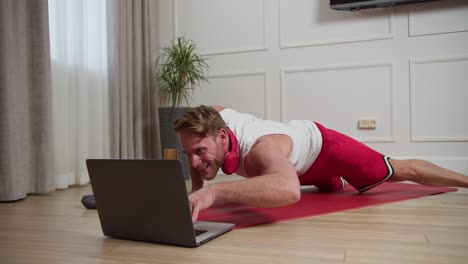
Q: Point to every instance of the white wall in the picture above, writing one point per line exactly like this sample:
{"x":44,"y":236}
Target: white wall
{"x":407,"y":67}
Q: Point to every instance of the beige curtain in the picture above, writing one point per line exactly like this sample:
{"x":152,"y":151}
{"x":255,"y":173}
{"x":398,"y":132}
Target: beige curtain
{"x":26,"y":158}
{"x":78,"y":47}
{"x":132,"y":43}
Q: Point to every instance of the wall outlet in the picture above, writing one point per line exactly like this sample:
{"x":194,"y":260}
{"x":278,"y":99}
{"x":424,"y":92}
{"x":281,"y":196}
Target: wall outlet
{"x":372,"y":124}
{"x":367,"y":123}
{"x":363,"y":124}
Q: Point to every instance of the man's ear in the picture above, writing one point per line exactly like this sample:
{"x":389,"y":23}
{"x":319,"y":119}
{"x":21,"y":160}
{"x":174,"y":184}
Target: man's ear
{"x":223,"y":136}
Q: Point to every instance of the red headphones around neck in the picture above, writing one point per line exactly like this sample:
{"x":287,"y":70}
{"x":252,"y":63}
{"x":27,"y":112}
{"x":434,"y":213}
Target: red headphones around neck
{"x":231,"y":159}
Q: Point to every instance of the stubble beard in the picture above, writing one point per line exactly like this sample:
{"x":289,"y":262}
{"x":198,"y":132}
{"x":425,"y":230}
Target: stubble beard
{"x":214,"y":165}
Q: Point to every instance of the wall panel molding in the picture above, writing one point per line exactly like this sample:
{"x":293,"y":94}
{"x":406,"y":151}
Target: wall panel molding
{"x":416,"y":88}
{"x":243,"y":74}
{"x":316,"y":41}
{"x":262,"y":46}
{"x":339,"y":67}
{"x":438,"y":18}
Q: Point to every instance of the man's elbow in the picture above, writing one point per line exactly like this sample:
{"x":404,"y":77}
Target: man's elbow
{"x":292,"y":191}
{"x":291,"y":196}
{"x":295,"y":195}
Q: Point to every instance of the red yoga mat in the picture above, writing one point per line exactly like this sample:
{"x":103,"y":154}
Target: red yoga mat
{"x":316,"y":203}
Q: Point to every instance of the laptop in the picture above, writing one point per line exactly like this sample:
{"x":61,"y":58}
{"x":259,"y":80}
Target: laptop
{"x":146,"y":200}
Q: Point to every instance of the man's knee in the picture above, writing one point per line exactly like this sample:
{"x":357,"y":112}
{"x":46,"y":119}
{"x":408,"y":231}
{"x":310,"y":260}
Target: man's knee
{"x":404,"y":170}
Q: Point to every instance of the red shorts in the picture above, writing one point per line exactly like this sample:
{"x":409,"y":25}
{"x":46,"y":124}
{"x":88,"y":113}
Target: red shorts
{"x":342,"y":156}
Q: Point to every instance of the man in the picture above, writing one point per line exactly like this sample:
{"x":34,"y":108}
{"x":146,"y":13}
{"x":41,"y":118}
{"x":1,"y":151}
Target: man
{"x":277,"y":158}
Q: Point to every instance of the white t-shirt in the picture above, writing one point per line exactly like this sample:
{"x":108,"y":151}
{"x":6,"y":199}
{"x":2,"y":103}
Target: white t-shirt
{"x":305,"y":135}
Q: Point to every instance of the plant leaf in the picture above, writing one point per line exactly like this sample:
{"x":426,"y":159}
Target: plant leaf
{"x":180,"y":71}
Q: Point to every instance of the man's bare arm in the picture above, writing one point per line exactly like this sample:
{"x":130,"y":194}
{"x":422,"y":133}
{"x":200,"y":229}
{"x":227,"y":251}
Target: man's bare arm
{"x":275,"y":182}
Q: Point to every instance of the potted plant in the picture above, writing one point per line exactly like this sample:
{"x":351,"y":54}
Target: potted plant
{"x":179,"y":71}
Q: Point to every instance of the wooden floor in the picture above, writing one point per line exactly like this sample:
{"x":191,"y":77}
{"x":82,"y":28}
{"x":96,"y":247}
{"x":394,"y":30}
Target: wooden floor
{"x":56,"y":228}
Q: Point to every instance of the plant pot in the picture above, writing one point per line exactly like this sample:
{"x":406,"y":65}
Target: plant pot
{"x":169,"y":138}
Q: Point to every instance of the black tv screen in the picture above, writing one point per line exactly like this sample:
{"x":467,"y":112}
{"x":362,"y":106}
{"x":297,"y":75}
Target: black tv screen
{"x":354,"y":5}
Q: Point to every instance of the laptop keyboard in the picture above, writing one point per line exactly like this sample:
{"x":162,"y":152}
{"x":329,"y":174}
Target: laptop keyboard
{"x":199,"y":232}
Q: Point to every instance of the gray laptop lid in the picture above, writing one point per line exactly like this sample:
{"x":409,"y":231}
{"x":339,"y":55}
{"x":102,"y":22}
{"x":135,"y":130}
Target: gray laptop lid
{"x":145,"y":200}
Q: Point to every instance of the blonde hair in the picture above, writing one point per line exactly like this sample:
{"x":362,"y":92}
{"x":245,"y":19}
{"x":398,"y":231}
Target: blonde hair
{"x":204,"y":120}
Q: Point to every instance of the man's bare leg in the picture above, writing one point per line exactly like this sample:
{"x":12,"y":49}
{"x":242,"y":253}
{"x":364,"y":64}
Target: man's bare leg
{"x":426,"y":173}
